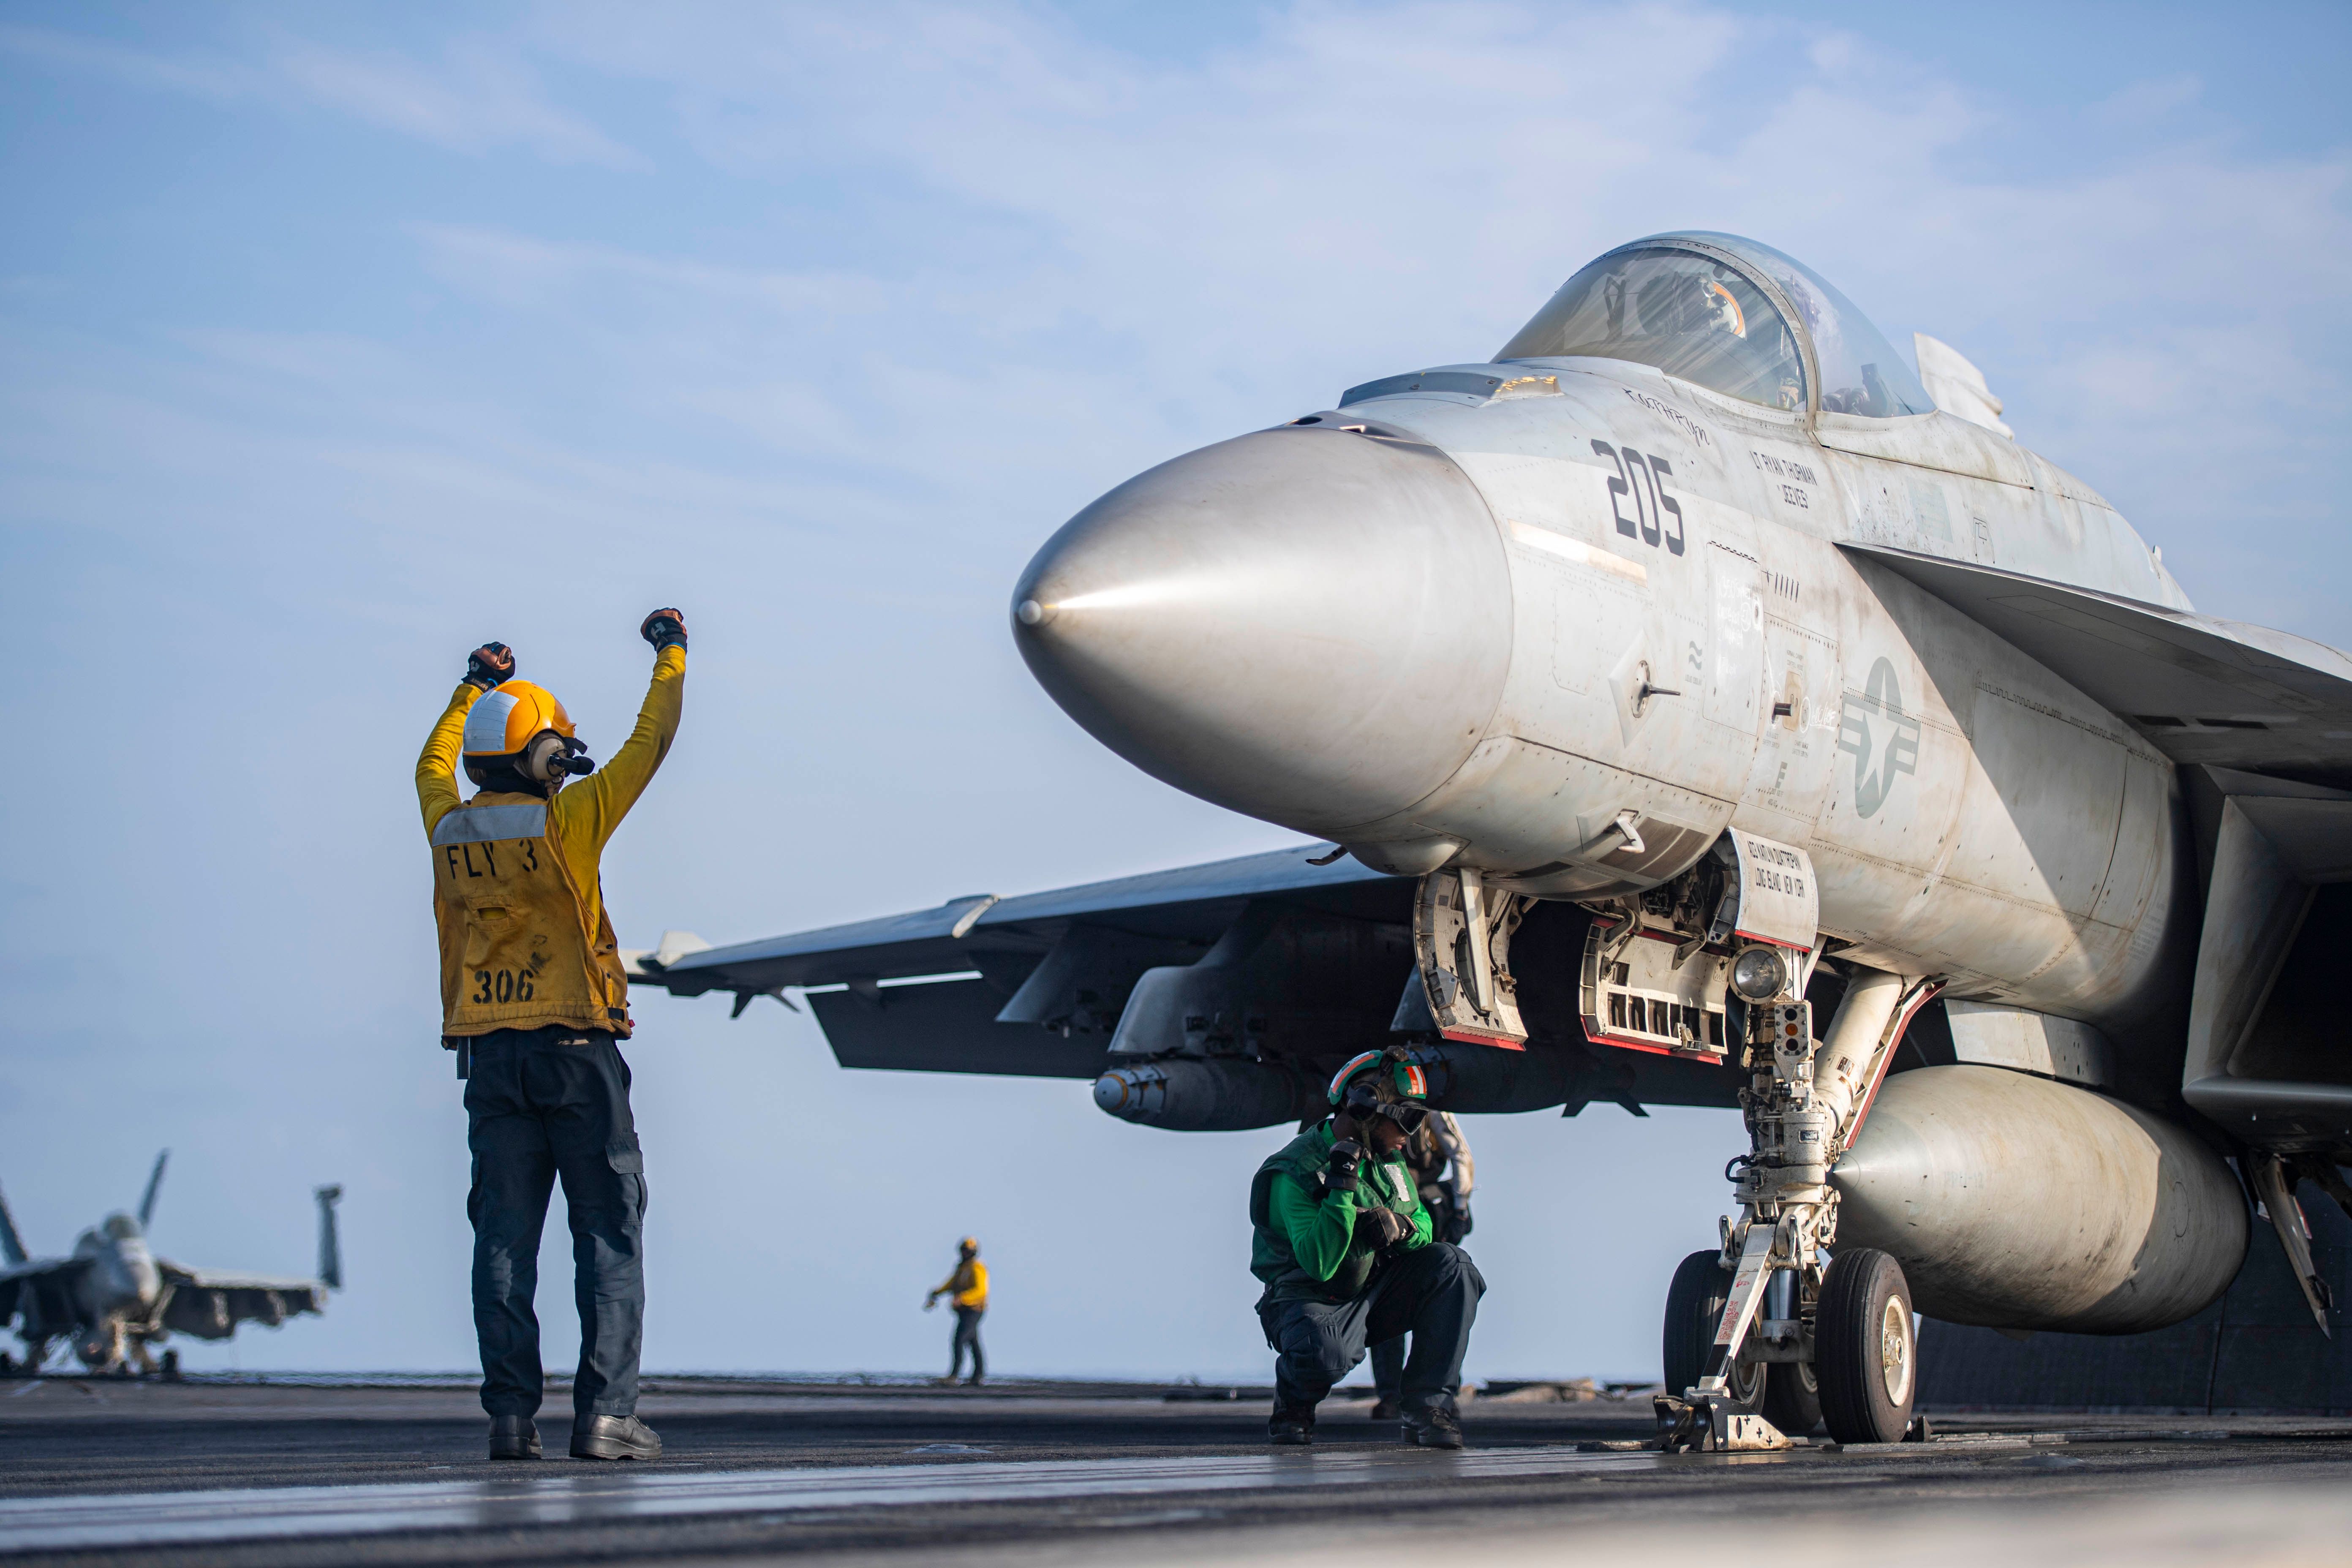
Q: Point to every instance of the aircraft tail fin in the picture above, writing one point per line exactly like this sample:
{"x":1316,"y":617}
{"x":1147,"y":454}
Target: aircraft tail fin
{"x":331,"y":1250}
{"x":154,"y":1185}
{"x":12,"y":1245}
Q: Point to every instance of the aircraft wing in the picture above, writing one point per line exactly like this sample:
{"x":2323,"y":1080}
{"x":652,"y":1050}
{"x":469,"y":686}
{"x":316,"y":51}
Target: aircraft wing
{"x":36,"y":1268}
{"x":988,"y":946}
{"x":2203,"y":690}
{"x":2261,"y":722}
{"x":41,"y":1288}
{"x":210,"y":1304}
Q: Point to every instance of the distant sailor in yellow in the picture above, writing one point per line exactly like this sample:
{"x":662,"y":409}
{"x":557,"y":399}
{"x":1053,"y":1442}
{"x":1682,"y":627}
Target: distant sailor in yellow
{"x":967,"y":1291}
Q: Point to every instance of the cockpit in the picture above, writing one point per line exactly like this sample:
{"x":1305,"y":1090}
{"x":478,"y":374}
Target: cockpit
{"x":1730,"y":315}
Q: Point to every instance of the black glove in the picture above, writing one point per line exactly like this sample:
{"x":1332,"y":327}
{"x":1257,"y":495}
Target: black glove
{"x":1383,"y":1228}
{"x":492,"y":664}
{"x":1458,"y":1228}
{"x":1339,"y":1167}
{"x":664,"y":629}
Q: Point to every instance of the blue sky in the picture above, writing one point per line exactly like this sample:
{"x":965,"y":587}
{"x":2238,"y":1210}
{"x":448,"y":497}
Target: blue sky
{"x":338,"y":341}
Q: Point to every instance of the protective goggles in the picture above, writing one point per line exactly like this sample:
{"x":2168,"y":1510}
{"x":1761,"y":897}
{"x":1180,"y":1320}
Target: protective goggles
{"x":1407,"y":1114}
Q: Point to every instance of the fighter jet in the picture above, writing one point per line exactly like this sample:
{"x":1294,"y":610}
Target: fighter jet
{"x":114,"y":1300}
{"x":1712,"y":716}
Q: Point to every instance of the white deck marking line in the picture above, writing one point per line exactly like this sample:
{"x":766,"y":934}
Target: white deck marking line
{"x":163,"y":1519}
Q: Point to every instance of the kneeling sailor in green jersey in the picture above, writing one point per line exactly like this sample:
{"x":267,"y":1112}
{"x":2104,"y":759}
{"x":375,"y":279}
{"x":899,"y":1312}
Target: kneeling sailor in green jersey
{"x":1343,"y":1243}
{"x":535,"y":1002}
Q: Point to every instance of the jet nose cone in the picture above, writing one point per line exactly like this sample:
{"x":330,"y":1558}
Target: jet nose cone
{"x":1308,"y":625}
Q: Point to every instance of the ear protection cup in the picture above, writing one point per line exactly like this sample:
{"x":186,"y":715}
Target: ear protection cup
{"x":551,"y":756}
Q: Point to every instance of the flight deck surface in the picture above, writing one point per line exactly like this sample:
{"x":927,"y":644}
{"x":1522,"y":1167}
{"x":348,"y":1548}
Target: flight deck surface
{"x":278,"y":1473}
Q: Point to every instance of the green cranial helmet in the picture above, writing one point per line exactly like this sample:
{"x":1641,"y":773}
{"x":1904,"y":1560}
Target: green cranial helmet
{"x":1381,"y":1083}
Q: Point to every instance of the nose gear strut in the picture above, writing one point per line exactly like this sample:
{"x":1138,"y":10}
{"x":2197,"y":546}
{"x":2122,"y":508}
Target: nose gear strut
{"x":1806,"y":1101}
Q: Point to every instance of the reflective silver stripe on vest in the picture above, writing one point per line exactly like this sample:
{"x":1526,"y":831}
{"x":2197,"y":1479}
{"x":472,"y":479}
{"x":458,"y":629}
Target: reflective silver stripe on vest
{"x":481,"y":823}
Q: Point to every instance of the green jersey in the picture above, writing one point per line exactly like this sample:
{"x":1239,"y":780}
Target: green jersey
{"x":1306,"y":1244}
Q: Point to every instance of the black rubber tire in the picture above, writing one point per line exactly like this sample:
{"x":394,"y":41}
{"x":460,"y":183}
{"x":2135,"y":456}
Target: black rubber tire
{"x":1867,"y":1354}
{"x":1694,"y":1303}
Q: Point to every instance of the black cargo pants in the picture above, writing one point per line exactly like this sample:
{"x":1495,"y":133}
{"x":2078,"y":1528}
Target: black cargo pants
{"x":967,"y":1334}
{"x":539,"y":1104}
{"x":1430,"y":1293}
{"x":1388,"y":1356}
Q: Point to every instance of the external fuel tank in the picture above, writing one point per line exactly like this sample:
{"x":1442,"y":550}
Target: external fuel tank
{"x":2013,"y":1202}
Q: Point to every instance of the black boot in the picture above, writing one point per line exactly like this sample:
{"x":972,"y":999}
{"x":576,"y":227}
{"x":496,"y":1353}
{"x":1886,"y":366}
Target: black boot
{"x":513,"y":1438}
{"x":1293,"y":1425}
{"x":1438,"y":1428}
{"x":614,"y":1437}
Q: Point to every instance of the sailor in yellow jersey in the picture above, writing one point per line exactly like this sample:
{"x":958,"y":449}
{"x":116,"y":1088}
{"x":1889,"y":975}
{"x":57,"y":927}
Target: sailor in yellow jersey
{"x":967,"y":1291}
{"x":535,"y":1002}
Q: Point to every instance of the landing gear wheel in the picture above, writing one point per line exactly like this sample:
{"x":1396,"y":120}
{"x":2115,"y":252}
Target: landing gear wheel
{"x":1868,"y":1358}
{"x":1694,"y":1305}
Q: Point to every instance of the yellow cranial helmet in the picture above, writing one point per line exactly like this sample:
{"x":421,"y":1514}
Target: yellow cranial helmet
{"x":521,"y":726}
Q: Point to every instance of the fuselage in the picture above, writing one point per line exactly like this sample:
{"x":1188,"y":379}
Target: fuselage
{"x":117,"y":1294}
{"x":1968,"y":813}
{"x":122,"y":1279}
{"x":1564,"y":619}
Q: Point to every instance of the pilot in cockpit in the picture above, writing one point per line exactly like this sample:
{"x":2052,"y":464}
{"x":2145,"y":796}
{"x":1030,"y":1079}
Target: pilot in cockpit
{"x":1696,"y":317}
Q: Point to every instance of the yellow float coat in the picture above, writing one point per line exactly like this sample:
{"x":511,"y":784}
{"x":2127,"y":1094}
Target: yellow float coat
{"x":517,"y":896}
{"x":967,"y":1287}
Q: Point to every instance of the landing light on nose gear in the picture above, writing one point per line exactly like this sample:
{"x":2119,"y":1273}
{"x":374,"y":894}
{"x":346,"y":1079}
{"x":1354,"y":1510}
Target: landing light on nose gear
{"x":1771,"y":1335}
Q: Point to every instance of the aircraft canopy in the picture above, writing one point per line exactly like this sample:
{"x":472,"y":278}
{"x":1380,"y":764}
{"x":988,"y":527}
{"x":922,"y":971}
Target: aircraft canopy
{"x":1715,"y":309}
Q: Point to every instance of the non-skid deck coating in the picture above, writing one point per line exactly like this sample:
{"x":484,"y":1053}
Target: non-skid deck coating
{"x":511,"y":1503}
{"x":117,"y":1472}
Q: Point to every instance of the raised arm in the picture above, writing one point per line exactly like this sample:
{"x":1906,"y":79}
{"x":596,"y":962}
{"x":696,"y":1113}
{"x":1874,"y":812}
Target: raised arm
{"x":590,"y":810}
{"x":436,"y":766}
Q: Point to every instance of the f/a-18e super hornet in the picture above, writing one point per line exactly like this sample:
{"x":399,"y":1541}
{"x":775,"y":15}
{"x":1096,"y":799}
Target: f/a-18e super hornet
{"x":1713,"y":718}
{"x":114,"y":1300}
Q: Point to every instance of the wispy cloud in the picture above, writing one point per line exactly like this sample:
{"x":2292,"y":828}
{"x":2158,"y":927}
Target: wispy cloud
{"x":2145,"y":104}
{"x":475,"y":98}
{"x":1102,"y":255}
{"x":217,"y":77}
{"x":525,"y":271}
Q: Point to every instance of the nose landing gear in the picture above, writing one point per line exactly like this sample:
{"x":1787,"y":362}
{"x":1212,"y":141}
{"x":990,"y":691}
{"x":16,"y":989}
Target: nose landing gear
{"x":1773,"y":1335}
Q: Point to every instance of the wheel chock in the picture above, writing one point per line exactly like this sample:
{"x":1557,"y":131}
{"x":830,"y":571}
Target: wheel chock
{"x":1712,"y":1423}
